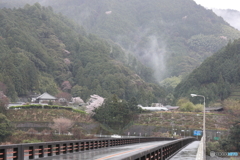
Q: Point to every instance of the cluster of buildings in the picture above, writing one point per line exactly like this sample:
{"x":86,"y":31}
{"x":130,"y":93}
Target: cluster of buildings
{"x":94,"y":102}
{"x":44,"y":99}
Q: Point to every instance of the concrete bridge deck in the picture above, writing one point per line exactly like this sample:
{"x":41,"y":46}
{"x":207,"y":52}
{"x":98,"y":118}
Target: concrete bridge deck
{"x":187,"y":153}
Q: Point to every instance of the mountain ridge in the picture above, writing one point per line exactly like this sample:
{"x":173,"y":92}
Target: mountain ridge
{"x":216,"y":77}
{"x":156,"y":32}
{"x":46,"y":52}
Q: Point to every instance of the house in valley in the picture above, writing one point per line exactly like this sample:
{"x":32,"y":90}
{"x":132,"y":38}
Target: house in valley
{"x":45,"y":97}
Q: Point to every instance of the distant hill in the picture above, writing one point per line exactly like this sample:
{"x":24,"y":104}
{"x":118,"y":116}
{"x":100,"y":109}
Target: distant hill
{"x":217,"y":77}
{"x":45,"y":52}
{"x":171,"y":37}
{"x":230,"y":16}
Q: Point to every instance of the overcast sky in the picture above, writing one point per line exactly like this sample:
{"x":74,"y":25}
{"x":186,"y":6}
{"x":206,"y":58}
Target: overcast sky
{"x":220,"y":4}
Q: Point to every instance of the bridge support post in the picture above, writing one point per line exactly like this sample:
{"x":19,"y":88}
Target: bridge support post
{"x":31,"y":152}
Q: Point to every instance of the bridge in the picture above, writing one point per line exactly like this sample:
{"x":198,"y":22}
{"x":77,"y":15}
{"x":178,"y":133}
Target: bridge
{"x":100,"y":149}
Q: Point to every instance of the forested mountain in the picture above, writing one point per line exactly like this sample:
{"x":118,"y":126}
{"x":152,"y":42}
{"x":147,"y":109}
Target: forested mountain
{"x":43,"y":51}
{"x":216,"y":75}
{"x":170,"y":36}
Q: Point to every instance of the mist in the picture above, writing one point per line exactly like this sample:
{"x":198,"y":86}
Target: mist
{"x":230,"y":16}
{"x":140,"y":31}
{"x":153,"y":55}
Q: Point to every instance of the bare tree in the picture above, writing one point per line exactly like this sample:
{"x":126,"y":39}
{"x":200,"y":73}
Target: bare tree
{"x":66,"y":85}
{"x":3,"y":87}
{"x":61,"y":124}
{"x":3,"y":102}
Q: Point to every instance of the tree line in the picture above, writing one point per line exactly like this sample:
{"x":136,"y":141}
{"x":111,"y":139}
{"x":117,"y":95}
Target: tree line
{"x":215,"y":77}
{"x":46,"y":52}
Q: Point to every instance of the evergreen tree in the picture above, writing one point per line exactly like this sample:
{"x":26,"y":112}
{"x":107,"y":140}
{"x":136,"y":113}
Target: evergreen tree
{"x":232,"y":144}
{"x":223,"y":88}
{"x":115,"y":113}
{"x":5,"y":127}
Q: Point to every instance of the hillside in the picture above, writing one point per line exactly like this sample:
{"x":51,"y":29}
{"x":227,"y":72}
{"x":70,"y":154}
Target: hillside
{"x":217,"y":76}
{"x":45,"y":52}
{"x":181,"y":120}
{"x":45,"y":115}
{"x":171,"y":37}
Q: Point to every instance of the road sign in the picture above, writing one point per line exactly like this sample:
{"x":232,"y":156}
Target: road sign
{"x":216,"y":138}
{"x":197,"y":133}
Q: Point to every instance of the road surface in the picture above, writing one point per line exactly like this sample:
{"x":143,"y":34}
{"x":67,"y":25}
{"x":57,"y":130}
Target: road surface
{"x":111,"y":153}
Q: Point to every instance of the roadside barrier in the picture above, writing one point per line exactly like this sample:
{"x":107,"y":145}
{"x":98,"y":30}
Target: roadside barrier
{"x":47,"y":149}
{"x":162,"y":152}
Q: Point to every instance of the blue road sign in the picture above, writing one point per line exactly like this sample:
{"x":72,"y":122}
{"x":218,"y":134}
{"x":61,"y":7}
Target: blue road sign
{"x":197,"y":133}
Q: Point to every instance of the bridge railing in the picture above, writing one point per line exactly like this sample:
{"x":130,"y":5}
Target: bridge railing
{"x":47,"y":149}
{"x":162,"y":152}
{"x":201,"y":151}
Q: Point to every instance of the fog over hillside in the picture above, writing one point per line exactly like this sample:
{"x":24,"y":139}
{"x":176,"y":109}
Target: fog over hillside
{"x":230,"y":16}
{"x":170,"y":37}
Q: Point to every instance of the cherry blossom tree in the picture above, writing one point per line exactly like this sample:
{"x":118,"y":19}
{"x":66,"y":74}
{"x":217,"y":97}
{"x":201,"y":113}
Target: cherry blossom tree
{"x":77,"y":100}
{"x":61,"y":124}
{"x":94,"y":102}
{"x":65,"y":95}
{"x":66,"y":86}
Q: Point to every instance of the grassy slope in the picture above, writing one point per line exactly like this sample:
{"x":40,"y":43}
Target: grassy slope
{"x":45,"y":115}
{"x":214,"y":121}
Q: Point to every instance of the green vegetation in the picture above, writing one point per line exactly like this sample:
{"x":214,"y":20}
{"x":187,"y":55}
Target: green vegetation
{"x":47,"y":107}
{"x":178,"y":35}
{"x":5,"y":127}
{"x":31,"y":141}
{"x":227,"y":144}
{"x":183,"y":120}
{"x":232,"y":142}
{"x":186,"y":106}
{"x":116,"y":113}
{"x":45,"y":52}
{"x":170,"y":83}
{"x":78,"y":111}
{"x":235,"y":92}
{"x":42,"y":51}
{"x":45,"y":115}
{"x":213,"y":146}
{"x":216,"y":76}
{"x":35,"y":106}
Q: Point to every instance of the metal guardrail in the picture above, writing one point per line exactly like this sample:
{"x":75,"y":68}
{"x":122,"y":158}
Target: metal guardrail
{"x":47,"y":149}
{"x":162,"y":152}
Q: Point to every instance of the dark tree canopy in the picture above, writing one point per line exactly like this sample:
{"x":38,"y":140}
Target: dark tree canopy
{"x":5,"y":127}
{"x":46,"y":52}
{"x":116,"y":113}
{"x":215,"y":76}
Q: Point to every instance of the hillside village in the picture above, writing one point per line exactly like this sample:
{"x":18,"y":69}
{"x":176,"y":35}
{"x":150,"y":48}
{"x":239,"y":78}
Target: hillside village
{"x":94,"y":101}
